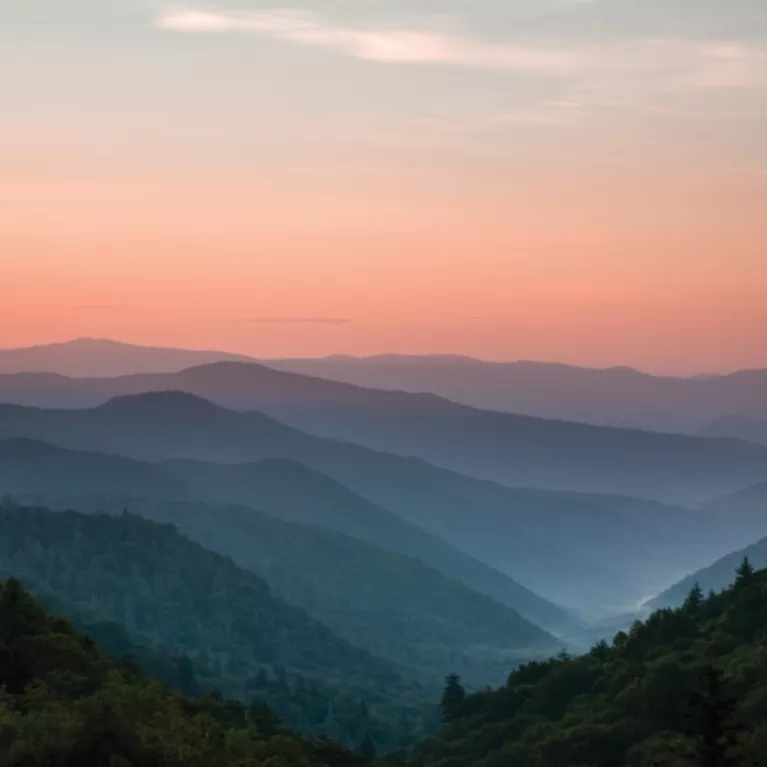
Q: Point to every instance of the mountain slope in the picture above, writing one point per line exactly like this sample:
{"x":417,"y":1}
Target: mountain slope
{"x":394,"y":606}
{"x":282,"y":488}
{"x":30,"y":466}
{"x":520,"y":533}
{"x":168,"y":591}
{"x":86,"y":709}
{"x":509,"y":449}
{"x":716,"y":577}
{"x":661,"y":694}
{"x":737,"y":427}
{"x":618,"y":396}
{"x":100,"y":357}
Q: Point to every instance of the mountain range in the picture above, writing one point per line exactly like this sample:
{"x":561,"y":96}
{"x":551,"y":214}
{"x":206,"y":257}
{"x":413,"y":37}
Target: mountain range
{"x":102,"y":357}
{"x":745,"y":510}
{"x":508,"y":449}
{"x":618,"y":396}
{"x":586,"y":551}
{"x":737,"y":427}
{"x":716,"y":577}
{"x":379,"y":581}
{"x":168,"y":592}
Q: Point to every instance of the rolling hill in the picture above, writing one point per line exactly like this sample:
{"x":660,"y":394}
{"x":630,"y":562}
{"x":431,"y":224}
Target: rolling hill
{"x":102,"y":357}
{"x":716,"y":577}
{"x":91,"y":708}
{"x":619,"y":396}
{"x":683,"y":687}
{"x":514,"y":450}
{"x":737,"y":427}
{"x":170,"y":592}
{"x":578,"y":550}
{"x":375,"y":597}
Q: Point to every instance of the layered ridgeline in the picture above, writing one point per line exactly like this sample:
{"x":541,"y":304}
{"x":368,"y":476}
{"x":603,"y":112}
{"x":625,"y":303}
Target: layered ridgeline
{"x":510,"y":449}
{"x":170,"y":594}
{"x":618,"y":396}
{"x":408,"y":576}
{"x":64,"y":702}
{"x":102,"y":357}
{"x":686,"y":687}
{"x":716,"y":577}
{"x":591,"y":552}
{"x":392,"y":605}
{"x":744,"y":510}
{"x":737,"y":427}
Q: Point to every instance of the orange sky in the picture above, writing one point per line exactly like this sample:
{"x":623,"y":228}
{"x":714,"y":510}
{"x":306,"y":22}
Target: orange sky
{"x":444,"y":193}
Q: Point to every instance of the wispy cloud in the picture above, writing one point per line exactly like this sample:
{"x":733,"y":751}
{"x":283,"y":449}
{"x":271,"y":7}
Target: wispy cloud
{"x":298,"y":320}
{"x":385,"y":45}
{"x":661,"y":62}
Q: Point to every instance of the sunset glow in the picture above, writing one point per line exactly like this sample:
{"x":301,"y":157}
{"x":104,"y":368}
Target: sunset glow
{"x":575,"y":181}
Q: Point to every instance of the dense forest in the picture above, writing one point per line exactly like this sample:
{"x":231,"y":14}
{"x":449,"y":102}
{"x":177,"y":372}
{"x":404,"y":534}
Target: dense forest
{"x":393,"y":605}
{"x":63,"y":703}
{"x":684,"y":688}
{"x":226,"y":630}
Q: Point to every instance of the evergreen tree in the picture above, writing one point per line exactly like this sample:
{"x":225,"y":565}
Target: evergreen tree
{"x":453,"y":698}
{"x":712,"y":726}
{"x":744,"y":575}
{"x":694,"y":600}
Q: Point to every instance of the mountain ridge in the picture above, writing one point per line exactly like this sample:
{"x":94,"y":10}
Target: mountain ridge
{"x":511,"y":530}
{"x":514,"y":450}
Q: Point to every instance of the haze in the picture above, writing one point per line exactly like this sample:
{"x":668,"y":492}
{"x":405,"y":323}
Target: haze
{"x":554,"y":180}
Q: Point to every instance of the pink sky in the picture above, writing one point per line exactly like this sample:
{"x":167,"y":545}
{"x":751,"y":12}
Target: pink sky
{"x":304,"y":184}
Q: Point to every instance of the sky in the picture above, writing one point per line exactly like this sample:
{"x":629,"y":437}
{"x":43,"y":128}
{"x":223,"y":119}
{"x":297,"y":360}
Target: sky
{"x":574,"y":180}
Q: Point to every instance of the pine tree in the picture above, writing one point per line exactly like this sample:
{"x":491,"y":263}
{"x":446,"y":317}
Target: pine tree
{"x":694,"y":600}
{"x":712,"y":725}
{"x":453,"y":697}
{"x":744,"y":575}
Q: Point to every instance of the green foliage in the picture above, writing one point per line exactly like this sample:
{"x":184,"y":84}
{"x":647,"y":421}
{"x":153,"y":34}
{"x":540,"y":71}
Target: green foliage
{"x":141,"y":589}
{"x":744,"y":575}
{"x":453,"y":697}
{"x":663,"y":695}
{"x":65,"y":704}
{"x":393,"y":604}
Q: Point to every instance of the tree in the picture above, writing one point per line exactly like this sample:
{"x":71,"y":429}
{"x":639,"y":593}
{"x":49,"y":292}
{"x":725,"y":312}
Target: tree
{"x":712,"y":725}
{"x":744,"y":575}
{"x":694,"y":600}
{"x":453,"y":697}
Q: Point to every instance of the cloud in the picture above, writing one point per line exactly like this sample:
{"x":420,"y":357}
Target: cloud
{"x":661,"y":63}
{"x":406,"y":46}
{"x":299,"y":321}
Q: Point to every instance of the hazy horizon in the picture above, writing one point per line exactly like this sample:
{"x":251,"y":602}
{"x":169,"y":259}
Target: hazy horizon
{"x":571,"y":180}
{"x":378,"y":355}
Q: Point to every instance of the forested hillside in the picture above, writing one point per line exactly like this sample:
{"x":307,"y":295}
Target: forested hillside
{"x":686,"y":687}
{"x":284,"y":489}
{"x":715,"y":577}
{"x":393,"y":605}
{"x":66,"y":704}
{"x":168,"y":592}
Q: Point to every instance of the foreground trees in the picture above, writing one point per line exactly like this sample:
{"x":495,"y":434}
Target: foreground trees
{"x":65,"y":704}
